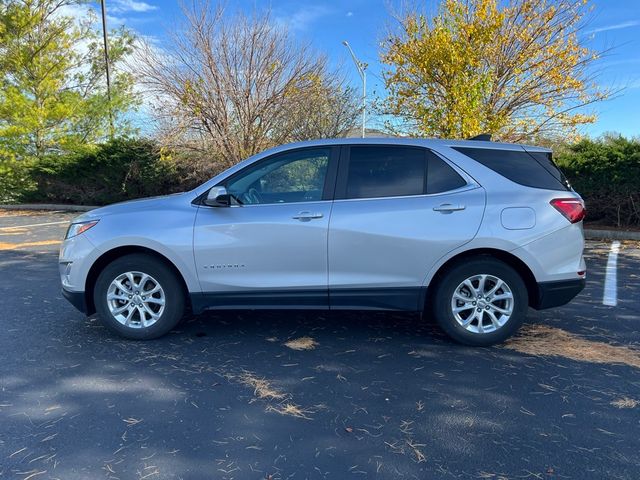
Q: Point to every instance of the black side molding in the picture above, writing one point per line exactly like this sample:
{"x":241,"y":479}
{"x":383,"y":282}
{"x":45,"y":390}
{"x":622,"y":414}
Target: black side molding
{"x":407,"y":299}
{"x":554,"y":294}
{"x":270,"y":299}
{"x":77,"y":299}
{"x":402,"y":299}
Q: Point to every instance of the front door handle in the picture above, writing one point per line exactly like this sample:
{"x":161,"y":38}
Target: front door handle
{"x":448,"y":208}
{"x":306,"y":216}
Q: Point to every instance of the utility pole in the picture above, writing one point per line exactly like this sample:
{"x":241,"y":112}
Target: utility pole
{"x":361,"y":66}
{"x":106,"y":63}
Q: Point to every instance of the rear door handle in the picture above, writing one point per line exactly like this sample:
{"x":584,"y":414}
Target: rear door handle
{"x":448,"y":208}
{"x":306,"y":216}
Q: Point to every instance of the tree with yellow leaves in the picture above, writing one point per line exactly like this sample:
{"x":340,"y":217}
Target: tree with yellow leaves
{"x":517,"y":70}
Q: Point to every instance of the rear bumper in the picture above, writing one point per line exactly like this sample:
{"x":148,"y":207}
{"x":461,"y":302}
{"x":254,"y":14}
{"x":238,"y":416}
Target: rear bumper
{"x":554,"y":294}
{"x":77,"y":299}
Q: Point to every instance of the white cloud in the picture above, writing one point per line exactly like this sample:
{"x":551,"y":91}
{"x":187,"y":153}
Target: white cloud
{"x":115,"y":21}
{"x":121,"y":6}
{"x":349,"y":14}
{"x":615,"y":26}
{"x":78,"y":12}
{"x":303,"y":19}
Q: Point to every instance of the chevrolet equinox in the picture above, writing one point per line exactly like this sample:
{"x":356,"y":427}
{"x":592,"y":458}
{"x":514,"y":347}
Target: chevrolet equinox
{"x":472,"y":233}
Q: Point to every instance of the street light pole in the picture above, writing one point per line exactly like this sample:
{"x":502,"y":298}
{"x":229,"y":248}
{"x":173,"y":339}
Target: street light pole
{"x":106,"y":61}
{"x":361,"y":66}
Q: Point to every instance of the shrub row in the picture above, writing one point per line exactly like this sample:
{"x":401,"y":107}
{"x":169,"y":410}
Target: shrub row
{"x":606,"y":172}
{"x":116,"y":171}
{"x":122,"y":169}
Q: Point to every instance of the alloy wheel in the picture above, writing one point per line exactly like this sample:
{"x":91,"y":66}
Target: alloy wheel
{"x":136,"y":299}
{"x":482,"y":303}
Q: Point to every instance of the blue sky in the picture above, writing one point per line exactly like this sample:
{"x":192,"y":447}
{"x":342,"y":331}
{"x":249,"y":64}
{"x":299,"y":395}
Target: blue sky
{"x":613,"y":24}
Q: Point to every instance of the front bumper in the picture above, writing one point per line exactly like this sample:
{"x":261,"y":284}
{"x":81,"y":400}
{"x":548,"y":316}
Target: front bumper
{"x":77,"y":299}
{"x":560,"y":292}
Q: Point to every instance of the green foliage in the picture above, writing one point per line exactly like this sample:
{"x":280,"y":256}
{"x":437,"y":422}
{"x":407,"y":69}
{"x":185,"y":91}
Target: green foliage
{"x":52,"y":86}
{"x":15,"y":180}
{"x":606,"y":172}
{"x":119,"y":170}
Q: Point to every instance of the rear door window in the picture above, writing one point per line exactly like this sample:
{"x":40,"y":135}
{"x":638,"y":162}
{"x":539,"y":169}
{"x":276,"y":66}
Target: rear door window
{"x":535,"y":169}
{"x":385,"y":171}
{"x":377,"y":171}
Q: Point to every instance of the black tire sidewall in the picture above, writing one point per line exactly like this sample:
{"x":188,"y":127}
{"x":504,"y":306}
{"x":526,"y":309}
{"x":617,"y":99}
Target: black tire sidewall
{"x":173,"y":291}
{"x":456,"y":275}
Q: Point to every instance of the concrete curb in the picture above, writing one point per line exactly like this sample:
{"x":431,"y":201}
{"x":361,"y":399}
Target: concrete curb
{"x":50,"y":207}
{"x":591,"y":234}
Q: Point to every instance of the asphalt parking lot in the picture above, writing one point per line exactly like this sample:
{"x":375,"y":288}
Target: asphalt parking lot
{"x":294,"y":395}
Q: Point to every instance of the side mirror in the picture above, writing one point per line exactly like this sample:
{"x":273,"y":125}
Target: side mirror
{"x":218,"y":197}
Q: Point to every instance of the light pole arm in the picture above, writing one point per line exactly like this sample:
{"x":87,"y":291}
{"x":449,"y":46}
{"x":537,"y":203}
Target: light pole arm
{"x":355,"y":60}
{"x":363,"y":76}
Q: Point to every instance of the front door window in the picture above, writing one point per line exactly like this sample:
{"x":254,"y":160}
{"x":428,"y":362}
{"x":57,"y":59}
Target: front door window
{"x":288,"y":178}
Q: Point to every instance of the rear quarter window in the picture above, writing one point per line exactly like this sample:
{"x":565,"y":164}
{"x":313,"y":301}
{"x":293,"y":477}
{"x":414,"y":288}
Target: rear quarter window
{"x":535,"y":169}
{"x":440,"y":176}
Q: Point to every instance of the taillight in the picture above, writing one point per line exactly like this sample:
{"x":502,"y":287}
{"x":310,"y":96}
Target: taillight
{"x":572,"y":208}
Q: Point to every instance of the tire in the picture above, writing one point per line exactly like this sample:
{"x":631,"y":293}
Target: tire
{"x":129,"y":313}
{"x":479,"y":322}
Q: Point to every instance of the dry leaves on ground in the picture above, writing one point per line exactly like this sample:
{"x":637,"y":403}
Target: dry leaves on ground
{"x":625,"y":402}
{"x":542,"y":340}
{"x":302,"y":343}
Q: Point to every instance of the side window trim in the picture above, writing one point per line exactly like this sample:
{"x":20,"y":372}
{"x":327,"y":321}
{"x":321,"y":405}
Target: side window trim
{"x":343,"y":171}
{"x":329,"y":189}
{"x":465,"y":188}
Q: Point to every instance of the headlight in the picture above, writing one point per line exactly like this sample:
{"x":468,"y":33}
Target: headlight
{"x":80,"y":227}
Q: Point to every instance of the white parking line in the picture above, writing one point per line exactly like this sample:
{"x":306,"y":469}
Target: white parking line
{"x":13,"y":227}
{"x":610,"y":296}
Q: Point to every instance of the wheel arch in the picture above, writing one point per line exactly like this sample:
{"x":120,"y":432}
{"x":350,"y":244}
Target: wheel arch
{"x":109,"y":256}
{"x":508,"y":258}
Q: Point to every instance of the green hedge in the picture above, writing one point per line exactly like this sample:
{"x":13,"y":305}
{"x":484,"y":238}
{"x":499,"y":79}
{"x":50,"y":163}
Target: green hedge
{"x":119,"y":170}
{"x":115,"y":171}
{"x":15,"y":180}
{"x":606,"y":172}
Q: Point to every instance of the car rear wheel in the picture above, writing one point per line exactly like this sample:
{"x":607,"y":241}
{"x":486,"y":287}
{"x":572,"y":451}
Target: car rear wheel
{"x":480,"y":302}
{"x":139,"y":297}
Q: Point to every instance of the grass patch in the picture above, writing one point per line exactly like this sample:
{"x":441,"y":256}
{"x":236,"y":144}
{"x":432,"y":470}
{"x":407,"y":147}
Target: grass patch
{"x":542,"y":340}
{"x":302,"y":343}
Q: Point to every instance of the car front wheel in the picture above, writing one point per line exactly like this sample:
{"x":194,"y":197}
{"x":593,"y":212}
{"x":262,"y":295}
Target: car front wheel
{"x":139,"y":297}
{"x":480,"y":302}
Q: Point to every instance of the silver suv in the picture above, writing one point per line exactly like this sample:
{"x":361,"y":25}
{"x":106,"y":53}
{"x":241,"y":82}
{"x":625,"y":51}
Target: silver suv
{"x":470,"y":232}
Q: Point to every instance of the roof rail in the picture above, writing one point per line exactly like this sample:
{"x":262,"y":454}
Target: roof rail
{"x":485,"y":137}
